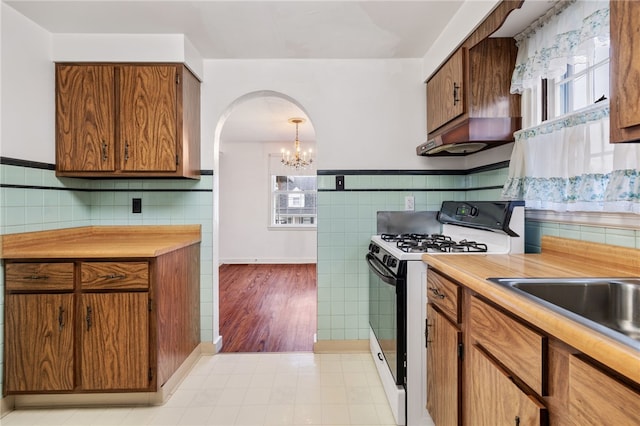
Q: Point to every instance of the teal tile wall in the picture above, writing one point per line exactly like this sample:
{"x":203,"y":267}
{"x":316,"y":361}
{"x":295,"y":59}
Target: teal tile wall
{"x":346,"y":222}
{"x":34,"y":199}
{"x":534,"y":230}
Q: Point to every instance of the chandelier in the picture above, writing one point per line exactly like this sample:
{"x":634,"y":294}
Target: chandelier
{"x":297,"y":160}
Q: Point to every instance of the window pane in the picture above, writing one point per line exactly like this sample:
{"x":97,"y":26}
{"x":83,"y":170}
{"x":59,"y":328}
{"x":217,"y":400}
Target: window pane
{"x":579,"y":93}
{"x":601,"y":81}
{"x":294,"y":200}
{"x":601,"y":53}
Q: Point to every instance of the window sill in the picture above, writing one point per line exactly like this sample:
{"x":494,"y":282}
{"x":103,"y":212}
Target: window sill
{"x":293,"y":228}
{"x":614,"y":220}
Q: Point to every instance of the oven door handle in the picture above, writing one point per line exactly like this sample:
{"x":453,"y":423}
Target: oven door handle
{"x":376,"y":266}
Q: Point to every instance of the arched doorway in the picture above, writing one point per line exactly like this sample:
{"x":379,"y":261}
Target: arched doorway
{"x":265,"y":260}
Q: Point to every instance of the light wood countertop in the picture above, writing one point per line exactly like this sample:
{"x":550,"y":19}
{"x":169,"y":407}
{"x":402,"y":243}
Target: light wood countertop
{"x":92,"y":242}
{"x":559,"y":258}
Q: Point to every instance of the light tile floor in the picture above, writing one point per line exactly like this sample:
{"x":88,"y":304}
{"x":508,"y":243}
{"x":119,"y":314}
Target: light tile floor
{"x":250,"y":389}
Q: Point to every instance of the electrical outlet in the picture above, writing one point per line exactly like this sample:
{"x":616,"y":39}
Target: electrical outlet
{"x":409,"y":203}
{"x":339,"y":183}
{"x":136,"y":205}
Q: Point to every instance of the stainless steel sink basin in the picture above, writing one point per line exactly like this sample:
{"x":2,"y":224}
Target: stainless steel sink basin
{"x":608,"y":305}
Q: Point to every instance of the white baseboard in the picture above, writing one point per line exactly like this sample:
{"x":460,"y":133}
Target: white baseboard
{"x":266,"y":261}
{"x":108,"y":399}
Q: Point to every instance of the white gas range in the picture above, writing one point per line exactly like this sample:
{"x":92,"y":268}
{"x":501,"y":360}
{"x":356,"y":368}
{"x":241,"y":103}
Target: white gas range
{"x":398,"y":296}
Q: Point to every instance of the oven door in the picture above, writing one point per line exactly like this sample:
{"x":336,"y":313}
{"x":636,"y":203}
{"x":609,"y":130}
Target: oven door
{"x":387,"y":307}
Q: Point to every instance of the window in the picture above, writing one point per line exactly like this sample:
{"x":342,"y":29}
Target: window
{"x":293,"y":201}
{"x":581,"y":85}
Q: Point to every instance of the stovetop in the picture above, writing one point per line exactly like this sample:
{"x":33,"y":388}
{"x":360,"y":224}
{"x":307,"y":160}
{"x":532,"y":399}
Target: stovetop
{"x":433,"y":243}
{"x":464,"y":227}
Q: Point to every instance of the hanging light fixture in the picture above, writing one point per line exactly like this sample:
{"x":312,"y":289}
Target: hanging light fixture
{"x":297,"y":159}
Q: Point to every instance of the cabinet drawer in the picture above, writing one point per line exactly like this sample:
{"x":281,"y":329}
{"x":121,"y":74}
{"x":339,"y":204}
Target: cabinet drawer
{"x":444,"y":293}
{"x":38,"y":276}
{"x":597,"y":398}
{"x":115,"y":275}
{"x":516,"y":346}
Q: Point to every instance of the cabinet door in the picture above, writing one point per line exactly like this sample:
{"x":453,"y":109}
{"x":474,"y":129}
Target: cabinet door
{"x":39,"y":348}
{"x":445,"y":92}
{"x":115,"y":341}
{"x":85,"y":118}
{"x":443,"y":368}
{"x":625,"y":70}
{"x":495,"y":398}
{"x":148,"y":118}
{"x":598,"y":399}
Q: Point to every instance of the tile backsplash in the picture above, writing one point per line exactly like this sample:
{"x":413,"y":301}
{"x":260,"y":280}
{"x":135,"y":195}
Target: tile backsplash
{"x":34,"y":199}
{"x":347,"y":220}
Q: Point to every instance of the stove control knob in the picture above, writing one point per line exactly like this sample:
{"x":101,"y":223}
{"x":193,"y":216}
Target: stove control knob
{"x":392,"y":262}
{"x":374,"y":248}
{"x":384,"y":259}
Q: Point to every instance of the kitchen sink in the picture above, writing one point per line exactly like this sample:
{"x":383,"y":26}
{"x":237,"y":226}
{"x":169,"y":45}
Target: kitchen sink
{"x":608,"y":305}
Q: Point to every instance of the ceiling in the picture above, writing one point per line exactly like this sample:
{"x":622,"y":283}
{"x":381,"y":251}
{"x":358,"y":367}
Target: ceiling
{"x":239,"y":29}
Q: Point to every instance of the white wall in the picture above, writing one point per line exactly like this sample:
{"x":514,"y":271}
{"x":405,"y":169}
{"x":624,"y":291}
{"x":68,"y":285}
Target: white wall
{"x":466,"y":19}
{"x":367,"y":114}
{"x":244,"y":210}
{"x":28,"y":100}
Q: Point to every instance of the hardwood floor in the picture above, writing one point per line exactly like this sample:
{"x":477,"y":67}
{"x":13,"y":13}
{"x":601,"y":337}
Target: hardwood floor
{"x":267,"y":308}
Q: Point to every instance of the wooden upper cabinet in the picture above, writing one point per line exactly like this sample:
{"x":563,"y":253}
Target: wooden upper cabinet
{"x":85,"y":111}
{"x":624,"y":71}
{"x":148,"y":118}
{"x":446,"y":91}
{"x":127,"y":120}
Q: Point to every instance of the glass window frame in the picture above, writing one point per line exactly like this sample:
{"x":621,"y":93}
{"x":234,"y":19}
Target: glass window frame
{"x":291,"y":194}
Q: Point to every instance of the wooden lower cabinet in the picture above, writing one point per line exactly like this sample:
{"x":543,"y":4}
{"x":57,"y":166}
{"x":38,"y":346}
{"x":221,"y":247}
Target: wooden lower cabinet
{"x":496,"y":400}
{"x":486,"y":366}
{"x":443,"y":368}
{"x":100,"y":325}
{"x":39,"y":347}
{"x":115,"y":341}
{"x":597,"y":398}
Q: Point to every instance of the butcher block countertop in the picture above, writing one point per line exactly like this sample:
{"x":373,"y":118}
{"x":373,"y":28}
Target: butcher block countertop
{"x":92,"y":242}
{"x":560,"y":257}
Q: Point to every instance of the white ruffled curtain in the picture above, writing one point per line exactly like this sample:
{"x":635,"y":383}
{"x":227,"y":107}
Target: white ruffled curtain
{"x":567,"y":164}
{"x":565,"y":35}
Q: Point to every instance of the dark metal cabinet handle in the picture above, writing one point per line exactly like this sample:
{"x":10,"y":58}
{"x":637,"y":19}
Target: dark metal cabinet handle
{"x":456,"y":98}
{"x":517,"y":421}
{"x":426,"y":333}
{"x":436,"y":292}
{"x":380,"y":357}
{"x":113,"y":277}
{"x":126,"y":151}
{"x":88,"y":317}
{"x":60,"y":318}
{"x":37,"y":277}
{"x":104,"y":151}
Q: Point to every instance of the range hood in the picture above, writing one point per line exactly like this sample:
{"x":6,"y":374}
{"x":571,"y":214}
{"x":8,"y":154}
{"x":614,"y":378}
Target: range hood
{"x":469,"y":136}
